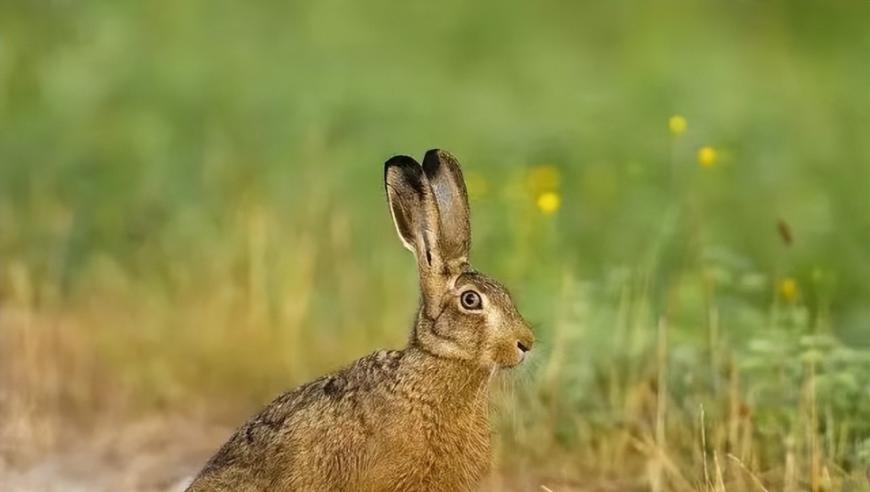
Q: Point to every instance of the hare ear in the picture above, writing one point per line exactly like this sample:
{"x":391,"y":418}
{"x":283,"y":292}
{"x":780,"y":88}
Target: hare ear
{"x":413,"y":207}
{"x":445,"y":177}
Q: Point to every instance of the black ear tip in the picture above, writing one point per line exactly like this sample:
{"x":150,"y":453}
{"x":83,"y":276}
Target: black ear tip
{"x":437,"y":155}
{"x":406,"y":164}
{"x":438,"y":161}
{"x":435,"y":159}
{"x":400,"y":161}
{"x":409,"y":169}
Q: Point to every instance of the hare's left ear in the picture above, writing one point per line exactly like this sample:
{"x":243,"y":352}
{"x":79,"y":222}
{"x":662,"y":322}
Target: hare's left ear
{"x":415,"y":215}
{"x":448,"y":187}
{"x":413,"y":207}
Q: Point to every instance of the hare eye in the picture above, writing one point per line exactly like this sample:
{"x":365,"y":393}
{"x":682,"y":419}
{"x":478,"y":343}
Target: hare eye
{"x":470,"y":300}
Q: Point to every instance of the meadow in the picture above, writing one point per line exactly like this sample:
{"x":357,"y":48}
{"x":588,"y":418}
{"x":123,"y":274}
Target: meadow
{"x":192,"y":220}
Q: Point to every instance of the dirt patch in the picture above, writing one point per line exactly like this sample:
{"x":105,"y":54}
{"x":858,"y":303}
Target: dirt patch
{"x":155,"y":455}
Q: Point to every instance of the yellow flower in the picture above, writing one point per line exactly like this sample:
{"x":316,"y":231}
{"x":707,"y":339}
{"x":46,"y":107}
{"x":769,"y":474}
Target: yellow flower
{"x":677,"y":124}
{"x":543,"y":178}
{"x":788,"y":289}
{"x":707,"y":156}
{"x":549,"y":202}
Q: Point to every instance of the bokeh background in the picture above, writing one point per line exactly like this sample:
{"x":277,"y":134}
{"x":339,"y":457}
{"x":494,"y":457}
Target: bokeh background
{"x":192,"y":220}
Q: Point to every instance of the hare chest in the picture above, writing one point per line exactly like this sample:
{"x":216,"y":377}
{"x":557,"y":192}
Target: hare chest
{"x":453,"y":456}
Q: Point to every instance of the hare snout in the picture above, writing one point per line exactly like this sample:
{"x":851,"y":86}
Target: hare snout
{"x":525,"y":340}
{"x":522,"y":348}
{"x":514,"y":346}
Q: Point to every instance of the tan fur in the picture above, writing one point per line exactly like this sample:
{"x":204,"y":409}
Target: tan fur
{"x":409,"y":420}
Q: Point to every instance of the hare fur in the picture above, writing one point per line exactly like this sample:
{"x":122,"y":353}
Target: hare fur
{"x":398,"y":420}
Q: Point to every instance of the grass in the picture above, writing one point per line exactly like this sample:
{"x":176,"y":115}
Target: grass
{"x":192,"y":220}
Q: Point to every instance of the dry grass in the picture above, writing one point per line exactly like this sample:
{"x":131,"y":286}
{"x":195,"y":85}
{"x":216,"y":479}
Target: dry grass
{"x":71,"y":373}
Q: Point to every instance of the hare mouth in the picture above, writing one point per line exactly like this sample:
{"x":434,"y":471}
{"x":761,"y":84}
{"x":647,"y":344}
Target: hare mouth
{"x":519,"y":358}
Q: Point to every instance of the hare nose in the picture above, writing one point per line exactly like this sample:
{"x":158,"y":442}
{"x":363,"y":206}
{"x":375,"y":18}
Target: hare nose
{"x":523,"y":347}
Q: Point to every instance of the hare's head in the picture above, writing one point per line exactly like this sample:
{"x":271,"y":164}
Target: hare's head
{"x":464,"y":314}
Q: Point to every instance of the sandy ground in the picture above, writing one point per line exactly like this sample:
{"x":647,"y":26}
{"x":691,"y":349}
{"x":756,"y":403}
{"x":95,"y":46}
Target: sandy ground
{"x":150,"y":456}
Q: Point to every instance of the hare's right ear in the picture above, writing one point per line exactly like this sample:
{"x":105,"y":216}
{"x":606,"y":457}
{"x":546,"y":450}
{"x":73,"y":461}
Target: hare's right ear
{"x":414,"y":210}
{"x":445,"y":177}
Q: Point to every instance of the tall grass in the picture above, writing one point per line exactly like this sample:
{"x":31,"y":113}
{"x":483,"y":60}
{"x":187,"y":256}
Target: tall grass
{"x":192,"y":220}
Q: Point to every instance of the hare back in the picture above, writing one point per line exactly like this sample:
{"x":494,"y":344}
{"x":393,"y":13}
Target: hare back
{"x":375,"y":425}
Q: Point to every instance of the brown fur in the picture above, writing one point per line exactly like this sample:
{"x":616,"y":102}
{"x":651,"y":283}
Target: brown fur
{"x":415,"y":419}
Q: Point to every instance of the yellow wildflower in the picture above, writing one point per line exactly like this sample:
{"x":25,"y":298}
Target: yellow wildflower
{"x":543,"y":178}
{"x":677,"y":124}
{"x":549,"y":202}
{"x":707,"y":156}
{"x":788,"y":289}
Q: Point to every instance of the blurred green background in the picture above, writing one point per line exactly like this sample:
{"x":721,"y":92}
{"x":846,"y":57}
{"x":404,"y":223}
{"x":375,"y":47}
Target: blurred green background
{"x":191,"y":210}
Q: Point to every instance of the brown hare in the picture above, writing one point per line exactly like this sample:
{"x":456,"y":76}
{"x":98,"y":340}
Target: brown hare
{"x":398,"y":420}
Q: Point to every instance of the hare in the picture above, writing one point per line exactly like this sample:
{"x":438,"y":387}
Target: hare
{"x":398,"y":420}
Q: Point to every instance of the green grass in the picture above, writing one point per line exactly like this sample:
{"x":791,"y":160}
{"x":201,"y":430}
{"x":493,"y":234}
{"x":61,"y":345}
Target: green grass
{"x":191,"y":210}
